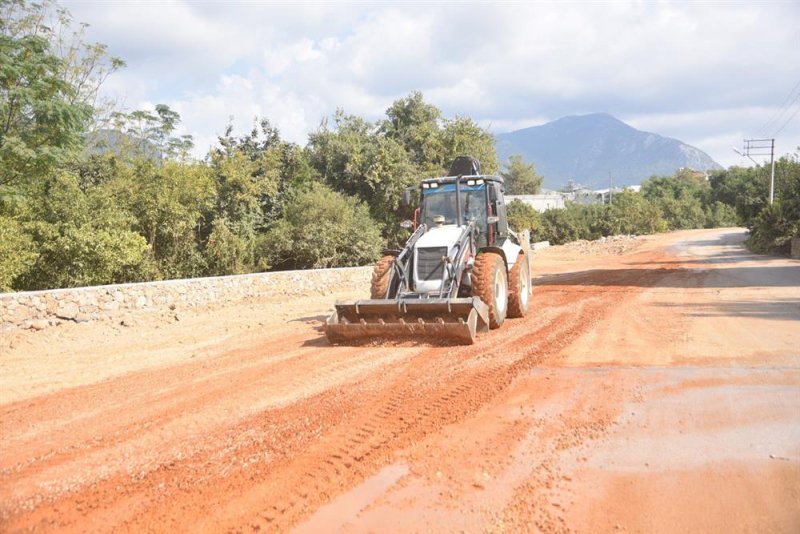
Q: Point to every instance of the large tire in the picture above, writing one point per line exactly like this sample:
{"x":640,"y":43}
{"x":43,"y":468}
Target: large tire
{"x":519,"y":281}
{"x":381,"y":276}
{"x":490,"y":283}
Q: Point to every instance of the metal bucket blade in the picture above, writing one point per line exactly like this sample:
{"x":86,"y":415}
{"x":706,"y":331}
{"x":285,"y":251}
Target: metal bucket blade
{"x":449,"y":319}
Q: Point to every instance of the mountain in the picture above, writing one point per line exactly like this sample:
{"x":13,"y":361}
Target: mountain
{"x":586,"y":148}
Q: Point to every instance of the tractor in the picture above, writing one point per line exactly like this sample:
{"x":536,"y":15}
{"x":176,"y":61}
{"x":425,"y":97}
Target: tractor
{"x":462,"y":271}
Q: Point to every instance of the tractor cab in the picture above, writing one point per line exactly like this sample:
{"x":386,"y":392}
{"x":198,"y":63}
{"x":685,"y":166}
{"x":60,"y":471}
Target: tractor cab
{"x":460,"y":200}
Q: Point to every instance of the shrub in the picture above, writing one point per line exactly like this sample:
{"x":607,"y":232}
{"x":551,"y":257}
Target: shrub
{"x":720,"y":215}
{"x":774,"y":227}
{"x":16,"y":252}
{"x":321,"y":228}
{"x":522,"y":216}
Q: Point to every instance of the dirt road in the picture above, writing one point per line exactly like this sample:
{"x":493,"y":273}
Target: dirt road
{"x":652,"y":389}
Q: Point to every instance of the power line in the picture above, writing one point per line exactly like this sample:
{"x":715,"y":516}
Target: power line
{"x":787,"y":121}
{"x":783,"y":107}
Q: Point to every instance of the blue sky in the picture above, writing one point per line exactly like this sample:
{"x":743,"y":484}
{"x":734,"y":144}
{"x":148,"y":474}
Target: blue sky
{"x":707,"y":73}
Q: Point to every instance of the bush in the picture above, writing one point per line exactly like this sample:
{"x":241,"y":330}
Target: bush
{"x":561,"y":226}
{"x":321,"y":228}
{"x":682,"y":213}
{"x":720,"y":215}
{"x":631,"y":213}
{"x":16,"y":252}
{"x":774,"y":228}
{"x":81,"y":238}
{"x":72,"y":256}
{"x":522,"y":217}
{"x":226,"y":251}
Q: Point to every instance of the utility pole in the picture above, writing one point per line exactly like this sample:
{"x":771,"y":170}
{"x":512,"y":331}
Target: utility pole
{"x":759,"y":147}
{"x":610,"y":188}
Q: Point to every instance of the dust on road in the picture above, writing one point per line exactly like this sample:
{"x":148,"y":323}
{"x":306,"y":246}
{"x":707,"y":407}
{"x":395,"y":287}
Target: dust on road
{"x":655,"y":387}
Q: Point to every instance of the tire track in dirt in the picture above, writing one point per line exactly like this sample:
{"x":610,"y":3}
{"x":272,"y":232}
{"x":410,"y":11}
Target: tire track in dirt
{"x":154,"y":431}
{"x":274,"y":468}
{"x":360,"y":449}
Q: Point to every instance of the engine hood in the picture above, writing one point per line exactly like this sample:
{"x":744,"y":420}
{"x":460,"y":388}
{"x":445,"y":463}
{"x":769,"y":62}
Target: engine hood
{"x":440,"y":236}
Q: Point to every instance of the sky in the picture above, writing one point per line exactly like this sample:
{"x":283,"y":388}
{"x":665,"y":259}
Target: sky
{"x":709,"y":73}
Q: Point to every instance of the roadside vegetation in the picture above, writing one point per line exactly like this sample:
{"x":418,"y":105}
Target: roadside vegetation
{"x":90,"y":194}
{"x":733,"y":197}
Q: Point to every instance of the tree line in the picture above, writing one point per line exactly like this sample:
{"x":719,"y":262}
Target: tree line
{"x":93,"y":195}
{"x":733,"y":197}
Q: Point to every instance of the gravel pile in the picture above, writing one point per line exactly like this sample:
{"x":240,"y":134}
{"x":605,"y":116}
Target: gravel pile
{"x":612,"y":245}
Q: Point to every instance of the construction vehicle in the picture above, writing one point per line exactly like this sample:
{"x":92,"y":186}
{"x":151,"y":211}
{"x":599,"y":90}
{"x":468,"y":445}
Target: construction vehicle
{"x":462,"y":271}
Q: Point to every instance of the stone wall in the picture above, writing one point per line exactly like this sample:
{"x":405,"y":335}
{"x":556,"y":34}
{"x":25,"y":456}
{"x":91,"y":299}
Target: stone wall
{"x":39,"y":309}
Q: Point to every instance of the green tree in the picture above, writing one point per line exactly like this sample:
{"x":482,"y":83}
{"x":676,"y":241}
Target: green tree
{"x":322,"y":228}
{"x":775,"y":225}
{"x":256,"y":174}
{"x":80,"y":238}
{"x":40,"y":126}
{"x":226,"y":251}
{"x":631,"y":213}
{"x":462,"y":136}
{"x":417,"y":126}
{"x":147,"y":134}
{"x":169,"y":203}
{"x":561,"y":226}
{"x":49,"y":78}
{"x":682,"y":213}
{"x":720,"y":215}
{"x":773,"y":229}
{"x":520,"y":177}
{"x":522,"y":216}
{"x":17,"y":253}
{"x":356,"y":160}
{"x":682,"y":198}
{"x":746,"y":189}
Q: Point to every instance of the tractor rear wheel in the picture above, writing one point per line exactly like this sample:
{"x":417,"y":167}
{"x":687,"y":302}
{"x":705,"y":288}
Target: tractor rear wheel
{"x":381,"y":277}
{"x":490,"y":283}
{"x":520,"y":281}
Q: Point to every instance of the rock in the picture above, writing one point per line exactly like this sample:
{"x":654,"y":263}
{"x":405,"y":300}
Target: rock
{"x":127,"y":321}
{"x":82,"y":318}
{"x":141,"y":302}
{"x":39,"y":324}
{"x":111,"y":306}
{"x":68,"y":310}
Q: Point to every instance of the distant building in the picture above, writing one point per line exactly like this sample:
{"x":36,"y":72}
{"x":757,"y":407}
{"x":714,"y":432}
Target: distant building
{"x":540,"y":203}
{"x":578,"y":194}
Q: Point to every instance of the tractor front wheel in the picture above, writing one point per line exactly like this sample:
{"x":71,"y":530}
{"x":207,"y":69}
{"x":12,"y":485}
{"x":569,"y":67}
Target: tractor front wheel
{"x":490,"y":283}
{"x":381,"y":277}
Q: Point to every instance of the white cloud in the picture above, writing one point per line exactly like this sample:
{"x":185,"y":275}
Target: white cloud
{"x":703,"y":73}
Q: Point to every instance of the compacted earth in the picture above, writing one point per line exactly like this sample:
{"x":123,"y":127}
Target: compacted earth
{"x":654,"y":387}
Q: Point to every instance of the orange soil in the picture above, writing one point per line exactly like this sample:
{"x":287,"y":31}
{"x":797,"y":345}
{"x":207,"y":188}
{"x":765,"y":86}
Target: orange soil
{"x":656,"y":390}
